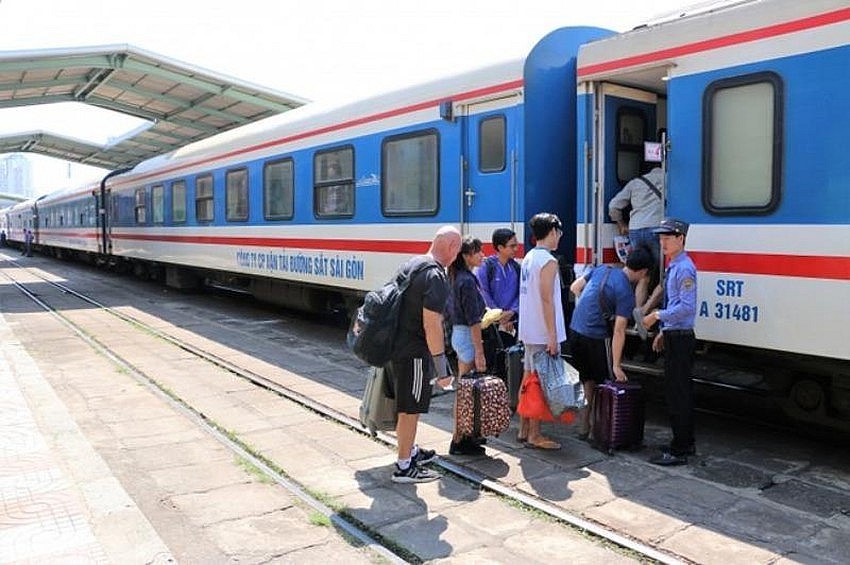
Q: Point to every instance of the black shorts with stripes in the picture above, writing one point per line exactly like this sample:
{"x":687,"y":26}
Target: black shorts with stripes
{"x":592,"y":357}
{"x":411,"y":379}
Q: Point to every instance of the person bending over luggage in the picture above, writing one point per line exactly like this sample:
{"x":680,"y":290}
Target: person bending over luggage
{"x":541,"y":317}
{"x":465,"y":310}
{"x":418,"y":352}
{"x":603,"y":293}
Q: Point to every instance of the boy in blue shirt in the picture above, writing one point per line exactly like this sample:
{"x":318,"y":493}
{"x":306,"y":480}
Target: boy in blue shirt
{"x":603,"y":294}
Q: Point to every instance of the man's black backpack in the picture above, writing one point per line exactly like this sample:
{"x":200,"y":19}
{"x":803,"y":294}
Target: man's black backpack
{"x":374,"y":328}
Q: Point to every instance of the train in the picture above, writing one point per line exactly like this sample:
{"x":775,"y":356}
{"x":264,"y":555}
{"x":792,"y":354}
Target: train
{"x":741,"y":104}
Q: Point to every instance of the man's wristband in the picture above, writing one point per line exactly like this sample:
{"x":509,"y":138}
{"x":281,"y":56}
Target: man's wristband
{"x":441,"y":365}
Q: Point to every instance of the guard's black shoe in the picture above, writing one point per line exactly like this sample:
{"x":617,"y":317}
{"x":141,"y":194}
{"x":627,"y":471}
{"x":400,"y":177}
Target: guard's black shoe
{"x":667,"y":459}
{"x":691,"y":450}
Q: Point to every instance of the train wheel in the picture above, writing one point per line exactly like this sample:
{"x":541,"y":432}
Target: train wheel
{"x":808,"y":395}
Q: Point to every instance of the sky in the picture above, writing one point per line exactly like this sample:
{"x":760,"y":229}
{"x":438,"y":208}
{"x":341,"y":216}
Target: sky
{"x":317,"y":49}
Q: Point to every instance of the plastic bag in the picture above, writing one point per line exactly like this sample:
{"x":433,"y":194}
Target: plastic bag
{"x":559,"y":382}
{"x":533,"y":405}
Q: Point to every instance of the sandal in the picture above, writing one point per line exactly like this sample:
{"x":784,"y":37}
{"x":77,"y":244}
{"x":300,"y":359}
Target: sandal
{"x":545,"y":444}
{"x":521,"y":439}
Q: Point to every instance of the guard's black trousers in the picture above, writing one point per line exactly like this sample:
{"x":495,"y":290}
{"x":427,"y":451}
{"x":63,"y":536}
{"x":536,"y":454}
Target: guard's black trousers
{"x":678,"y":362}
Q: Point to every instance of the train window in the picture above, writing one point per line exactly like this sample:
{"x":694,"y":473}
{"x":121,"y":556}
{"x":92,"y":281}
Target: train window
{"x":158,"y":204}
{"x":236,"y":195}
{"x":178,"y":201}
{"x":278,"y":190}
{"x":410,"y":174}
{"x":204,"y":211}
{"x":333,"y":183}
{"x":742,"y":140}
{"x":491,"y":144}
{"x":631,"y":128}
{"x":140,"y":209}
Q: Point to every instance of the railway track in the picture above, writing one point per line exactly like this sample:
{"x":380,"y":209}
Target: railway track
{"x":350,"y":527}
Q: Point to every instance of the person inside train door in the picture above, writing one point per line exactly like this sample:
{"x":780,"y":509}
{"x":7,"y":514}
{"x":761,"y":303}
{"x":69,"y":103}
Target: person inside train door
{"x":643,"y":195}
{"x":677,"y":340}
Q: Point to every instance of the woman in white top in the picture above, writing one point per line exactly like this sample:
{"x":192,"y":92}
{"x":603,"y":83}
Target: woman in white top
{"x":541,"y":318}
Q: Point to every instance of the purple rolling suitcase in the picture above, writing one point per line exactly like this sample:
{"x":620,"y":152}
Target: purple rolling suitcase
{"x":618,"y":416}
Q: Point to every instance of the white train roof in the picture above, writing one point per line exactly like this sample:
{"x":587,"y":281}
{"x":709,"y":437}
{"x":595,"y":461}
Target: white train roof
{"x":318,"y":123}
{"x":715,"y":34}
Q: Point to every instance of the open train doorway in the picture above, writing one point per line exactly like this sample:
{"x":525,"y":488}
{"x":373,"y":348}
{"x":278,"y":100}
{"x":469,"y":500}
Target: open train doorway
{"x":628,"y":121}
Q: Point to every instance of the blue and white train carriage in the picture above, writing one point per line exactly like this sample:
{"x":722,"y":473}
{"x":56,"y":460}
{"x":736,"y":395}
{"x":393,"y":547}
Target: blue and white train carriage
{"x":753,"y":98}
{"x":321,"y":204}
{"x":313,"y":207}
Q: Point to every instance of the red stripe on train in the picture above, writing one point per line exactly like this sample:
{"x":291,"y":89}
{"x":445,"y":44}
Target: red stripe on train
{"x":718,"y":42}
{"x":807,"y":266}
{"x":374,"y":246}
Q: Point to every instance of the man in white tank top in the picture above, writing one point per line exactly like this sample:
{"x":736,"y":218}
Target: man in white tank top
{"x":541,"y":318}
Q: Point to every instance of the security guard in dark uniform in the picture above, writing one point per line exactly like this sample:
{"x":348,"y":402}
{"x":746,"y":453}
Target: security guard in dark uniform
{"x":677,"y":339}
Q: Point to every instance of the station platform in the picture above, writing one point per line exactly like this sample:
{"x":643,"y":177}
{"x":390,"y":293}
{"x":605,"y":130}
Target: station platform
{"x":59,"y":502}
{"x":95,"y":468}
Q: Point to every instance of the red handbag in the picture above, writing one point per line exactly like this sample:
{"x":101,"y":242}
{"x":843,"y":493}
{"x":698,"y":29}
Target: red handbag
{"x":533,"y":405}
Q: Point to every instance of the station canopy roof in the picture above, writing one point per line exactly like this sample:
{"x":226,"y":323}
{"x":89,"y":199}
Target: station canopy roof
{"x":179,"y":102}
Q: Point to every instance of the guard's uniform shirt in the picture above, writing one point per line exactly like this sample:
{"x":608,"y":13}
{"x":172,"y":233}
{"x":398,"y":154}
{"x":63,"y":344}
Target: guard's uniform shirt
{"x":680,"y":295}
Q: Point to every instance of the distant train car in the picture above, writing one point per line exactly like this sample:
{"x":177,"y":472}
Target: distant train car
{"x":68,"y":223}
{"x":752,"y":97}
{"x":19,"y":217}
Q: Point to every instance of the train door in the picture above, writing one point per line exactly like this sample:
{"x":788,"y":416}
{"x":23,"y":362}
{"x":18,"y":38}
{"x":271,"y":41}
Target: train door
{"x":626,"y":118}
{"x":489,"y":166}
{"x":104,"y":213}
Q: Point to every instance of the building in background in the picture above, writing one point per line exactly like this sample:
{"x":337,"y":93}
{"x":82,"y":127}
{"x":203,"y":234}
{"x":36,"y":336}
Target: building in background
{"x":15,"y":177}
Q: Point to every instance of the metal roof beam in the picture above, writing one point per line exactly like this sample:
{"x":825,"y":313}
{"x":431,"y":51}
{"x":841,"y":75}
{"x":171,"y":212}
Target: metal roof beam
{"x":59,"y":63}
{"x":96,"y":79}
{"x":227,"y":91}
{"x":148,"y":115}
{"x":50,"y":99}
{"x":181,"y":102}
{"x":12,"y":86}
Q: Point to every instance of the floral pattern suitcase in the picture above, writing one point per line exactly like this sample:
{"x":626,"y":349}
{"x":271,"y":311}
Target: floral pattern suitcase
{"x":483,"y":409}
{"x":618,"y":416}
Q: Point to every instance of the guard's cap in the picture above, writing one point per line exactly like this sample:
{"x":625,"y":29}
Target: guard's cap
{"x":672,"y":225}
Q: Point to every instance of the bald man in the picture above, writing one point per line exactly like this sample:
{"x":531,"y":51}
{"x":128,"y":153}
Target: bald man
{"x":419,"y":357}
